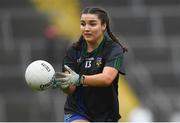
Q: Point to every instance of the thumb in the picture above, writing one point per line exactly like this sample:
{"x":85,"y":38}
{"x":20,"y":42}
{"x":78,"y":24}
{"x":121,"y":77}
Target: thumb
{"x":68,"y":69}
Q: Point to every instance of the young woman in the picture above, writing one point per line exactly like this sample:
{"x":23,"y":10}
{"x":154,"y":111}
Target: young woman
{"x":91,"y":71}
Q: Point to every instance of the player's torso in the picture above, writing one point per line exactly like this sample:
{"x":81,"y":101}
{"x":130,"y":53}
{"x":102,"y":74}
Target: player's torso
{"x":89,"y":65}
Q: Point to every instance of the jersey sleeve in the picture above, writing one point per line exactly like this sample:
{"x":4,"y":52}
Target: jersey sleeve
{"x":70,"y":59}
{"x":115,"y":59}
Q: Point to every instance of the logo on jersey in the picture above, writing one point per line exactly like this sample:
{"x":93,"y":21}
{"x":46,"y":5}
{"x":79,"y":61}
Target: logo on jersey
{"x":98,"y":61}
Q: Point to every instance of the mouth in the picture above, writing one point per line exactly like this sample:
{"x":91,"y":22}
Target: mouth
{"x":87,"y":34}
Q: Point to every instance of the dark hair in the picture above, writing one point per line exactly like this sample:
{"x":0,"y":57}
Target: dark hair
{"x":102,"y":15}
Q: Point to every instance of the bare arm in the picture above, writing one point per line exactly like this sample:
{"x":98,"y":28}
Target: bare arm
{"x":102,"y":79}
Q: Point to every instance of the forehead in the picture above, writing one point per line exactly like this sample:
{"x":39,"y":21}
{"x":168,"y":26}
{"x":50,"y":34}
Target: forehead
{"x":89,"y":17}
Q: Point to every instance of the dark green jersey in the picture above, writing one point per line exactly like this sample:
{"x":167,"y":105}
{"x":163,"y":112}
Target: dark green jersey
{"x":95,"y":103}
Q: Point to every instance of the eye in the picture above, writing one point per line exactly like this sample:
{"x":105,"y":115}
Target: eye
{"x":83,"y":24}
{"x":93,"y":24}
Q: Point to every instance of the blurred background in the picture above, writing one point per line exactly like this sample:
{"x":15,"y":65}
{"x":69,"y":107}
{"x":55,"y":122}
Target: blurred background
{"x":43,"y":29}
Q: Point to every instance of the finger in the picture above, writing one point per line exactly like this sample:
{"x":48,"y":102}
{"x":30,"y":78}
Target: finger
{"x":60,"y":75}
{"x":62,"y":80}
{"x":68,"y":69}
{"x":64,"y":83}
{"x":64,"y":86}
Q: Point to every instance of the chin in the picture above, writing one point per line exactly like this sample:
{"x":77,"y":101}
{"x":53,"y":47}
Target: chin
{"x":88,"y":39}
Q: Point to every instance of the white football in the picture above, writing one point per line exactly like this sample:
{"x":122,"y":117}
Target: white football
{"x":38,"y":74}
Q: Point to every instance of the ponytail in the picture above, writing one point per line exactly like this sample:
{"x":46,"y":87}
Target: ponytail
{"x":111,"y":35}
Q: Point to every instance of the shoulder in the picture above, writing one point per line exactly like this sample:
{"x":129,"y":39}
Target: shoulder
{"x":74,"y":50}
{"x":76,"y":46}
{"x":71,"y":52}
{"x":71,"y":49}
{"x":112,"y":46}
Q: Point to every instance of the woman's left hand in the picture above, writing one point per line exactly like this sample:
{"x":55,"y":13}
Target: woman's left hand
{"x":65,"y":79}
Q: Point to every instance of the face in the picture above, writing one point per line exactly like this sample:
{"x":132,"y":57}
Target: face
{"x":91,"y":27}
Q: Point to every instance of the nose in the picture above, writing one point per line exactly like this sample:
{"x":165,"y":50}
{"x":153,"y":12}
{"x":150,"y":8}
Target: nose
{"x":86,"y":28}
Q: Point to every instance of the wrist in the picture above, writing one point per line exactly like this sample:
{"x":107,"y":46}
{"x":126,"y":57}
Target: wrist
{"x":82,"y":78}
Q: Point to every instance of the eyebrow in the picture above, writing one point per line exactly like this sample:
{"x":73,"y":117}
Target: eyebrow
{"x":89,"y":21}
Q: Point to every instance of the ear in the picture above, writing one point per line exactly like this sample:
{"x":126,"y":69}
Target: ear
{"x":104,"y":26}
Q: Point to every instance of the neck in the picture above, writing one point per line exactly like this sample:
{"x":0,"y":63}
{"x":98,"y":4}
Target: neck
{"x":93,"y":45}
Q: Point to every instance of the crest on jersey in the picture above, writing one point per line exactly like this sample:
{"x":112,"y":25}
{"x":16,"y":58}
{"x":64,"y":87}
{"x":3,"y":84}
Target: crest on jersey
{"x":98,"y":61}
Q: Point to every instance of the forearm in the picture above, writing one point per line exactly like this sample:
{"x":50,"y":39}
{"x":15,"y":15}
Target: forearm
{"x":98,"y":80}
{"x":103,"y":79}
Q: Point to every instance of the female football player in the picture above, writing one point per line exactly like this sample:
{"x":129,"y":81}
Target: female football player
{"x":91,"y":71}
